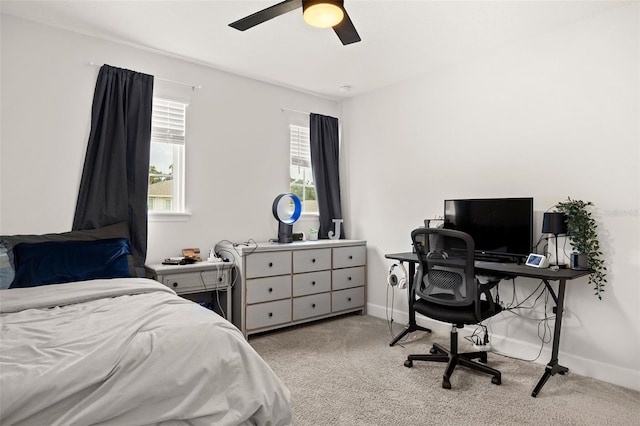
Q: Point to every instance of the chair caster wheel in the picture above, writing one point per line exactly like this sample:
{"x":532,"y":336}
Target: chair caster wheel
{"x":446,"y":384}
{"x":433,"y":351}
{"x":408,"y":363}
{"x":496,"y":380}
{"x":483,"y":359}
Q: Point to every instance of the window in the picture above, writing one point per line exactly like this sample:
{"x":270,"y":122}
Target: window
{"x":166,"y":168}
{"x":301,"y":174}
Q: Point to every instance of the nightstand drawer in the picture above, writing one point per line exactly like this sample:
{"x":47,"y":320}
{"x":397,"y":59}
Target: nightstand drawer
{"x":190,"y":282}
{"x":268,"y":314}
{"x":348,"y":277}
{"x":266,"y":289}
{"x":311,"y":283}
{"x":347,"y":299}
{"x":268,"y":264}
{"x":311,"y":260}
{"x":311,"y":306}
{"x":346,"y":257}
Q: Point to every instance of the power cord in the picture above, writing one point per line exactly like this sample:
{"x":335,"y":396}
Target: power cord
{"x":544,"y":328}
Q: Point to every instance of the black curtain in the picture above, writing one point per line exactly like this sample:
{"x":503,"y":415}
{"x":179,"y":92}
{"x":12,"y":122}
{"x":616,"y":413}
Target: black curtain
{"x":115,"y":177}
{"x":323,"y":140}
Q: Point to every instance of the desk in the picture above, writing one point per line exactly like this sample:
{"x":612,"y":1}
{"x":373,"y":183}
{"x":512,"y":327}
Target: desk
{"x":507,"y":270}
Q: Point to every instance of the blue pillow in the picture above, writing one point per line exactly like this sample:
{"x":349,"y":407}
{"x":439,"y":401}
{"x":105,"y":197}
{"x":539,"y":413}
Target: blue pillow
{"x":57,"y":262}
{"x":117,"y":230}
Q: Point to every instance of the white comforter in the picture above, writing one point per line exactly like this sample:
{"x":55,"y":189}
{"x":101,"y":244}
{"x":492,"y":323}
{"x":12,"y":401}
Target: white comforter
{"x":128,"y":352}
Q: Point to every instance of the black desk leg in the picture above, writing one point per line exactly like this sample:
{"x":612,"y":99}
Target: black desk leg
{"x":553,"y":367}
{"x":412,"y":326}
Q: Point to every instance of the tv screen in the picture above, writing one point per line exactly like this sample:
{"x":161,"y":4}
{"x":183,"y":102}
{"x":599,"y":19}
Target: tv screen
{"x":498,"y":226}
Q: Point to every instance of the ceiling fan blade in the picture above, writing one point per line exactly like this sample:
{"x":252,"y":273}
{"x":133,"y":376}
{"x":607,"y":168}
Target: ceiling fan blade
{"x":346,"y":31}
{"x":266,"y":14}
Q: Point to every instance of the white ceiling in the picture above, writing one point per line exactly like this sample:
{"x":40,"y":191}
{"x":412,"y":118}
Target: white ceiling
{"x":400,"y":39}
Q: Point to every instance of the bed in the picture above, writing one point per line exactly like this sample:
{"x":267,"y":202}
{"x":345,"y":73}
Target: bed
{"x":125,"y":351}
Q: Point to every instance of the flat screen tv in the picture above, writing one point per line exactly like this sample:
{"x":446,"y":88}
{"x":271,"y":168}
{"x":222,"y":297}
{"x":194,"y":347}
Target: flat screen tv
{"x":500,"y":227}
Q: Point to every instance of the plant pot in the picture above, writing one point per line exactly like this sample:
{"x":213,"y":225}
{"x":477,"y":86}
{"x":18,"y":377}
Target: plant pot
{"x":579,"y":261}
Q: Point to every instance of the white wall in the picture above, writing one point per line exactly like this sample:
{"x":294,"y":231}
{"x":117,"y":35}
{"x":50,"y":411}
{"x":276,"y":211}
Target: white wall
{"x":237,"y":153}
{"x":552,"y":116}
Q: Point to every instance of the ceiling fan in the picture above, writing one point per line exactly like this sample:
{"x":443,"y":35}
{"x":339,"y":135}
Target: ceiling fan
{"x":318,"y":13}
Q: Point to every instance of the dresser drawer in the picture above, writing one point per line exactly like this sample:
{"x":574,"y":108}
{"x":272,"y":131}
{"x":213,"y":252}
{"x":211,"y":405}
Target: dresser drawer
{"x":268,"y":264}
{"x":266,"y":289}
{"x":311,"y":260}
{"x":311,"y":283}
{"x":345,"y":257}
{"x":347,"y":299}
{"x":268,"y":314}
{"x":311,"y":306}
{"x":190,"y":282}
{"x":214,"y":279}
{"x":348,"y":277}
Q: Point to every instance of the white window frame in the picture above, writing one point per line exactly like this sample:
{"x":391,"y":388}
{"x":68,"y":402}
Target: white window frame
{"x":164,"y":132}
{"x":294,"y":132}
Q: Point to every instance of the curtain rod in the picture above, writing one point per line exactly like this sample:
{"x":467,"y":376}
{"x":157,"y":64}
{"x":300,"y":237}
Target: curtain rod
{"x":193,"y":86}
{"x":295,"y":110}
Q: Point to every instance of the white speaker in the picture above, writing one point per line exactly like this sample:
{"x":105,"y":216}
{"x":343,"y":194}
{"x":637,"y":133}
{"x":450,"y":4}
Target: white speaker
{"x":398,"y":279}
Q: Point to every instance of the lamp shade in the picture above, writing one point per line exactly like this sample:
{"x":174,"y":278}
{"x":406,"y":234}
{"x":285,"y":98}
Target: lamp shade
{"x":322,"y":13}
{"x":554,"y":223}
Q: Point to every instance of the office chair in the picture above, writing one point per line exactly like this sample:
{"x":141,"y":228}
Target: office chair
{"x":446,"y":289}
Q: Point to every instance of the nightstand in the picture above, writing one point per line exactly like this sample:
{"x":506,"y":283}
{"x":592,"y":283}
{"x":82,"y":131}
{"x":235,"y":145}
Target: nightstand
{"x":197,"y":281}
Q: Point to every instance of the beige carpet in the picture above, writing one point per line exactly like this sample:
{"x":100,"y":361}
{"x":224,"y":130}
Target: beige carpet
{"x":343,"y":372}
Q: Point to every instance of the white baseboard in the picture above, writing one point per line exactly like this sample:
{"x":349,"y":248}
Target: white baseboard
{"x":520,"y":349}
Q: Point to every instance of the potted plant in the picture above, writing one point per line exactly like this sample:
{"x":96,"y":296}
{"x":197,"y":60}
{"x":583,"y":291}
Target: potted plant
{"x":583,"y":235}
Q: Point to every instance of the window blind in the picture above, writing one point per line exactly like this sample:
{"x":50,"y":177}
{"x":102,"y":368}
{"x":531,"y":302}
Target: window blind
{"x":168,"y":121}
{"x":300,"y":146}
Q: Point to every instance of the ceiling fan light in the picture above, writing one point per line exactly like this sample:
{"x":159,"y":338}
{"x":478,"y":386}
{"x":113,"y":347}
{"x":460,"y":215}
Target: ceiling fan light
{"x":323,"y":14}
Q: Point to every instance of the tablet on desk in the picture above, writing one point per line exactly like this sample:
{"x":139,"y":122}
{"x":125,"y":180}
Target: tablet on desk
{"x":537,"y":261}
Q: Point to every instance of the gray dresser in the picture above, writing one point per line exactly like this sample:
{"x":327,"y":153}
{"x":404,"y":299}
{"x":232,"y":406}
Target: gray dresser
{"x":278,"y":285}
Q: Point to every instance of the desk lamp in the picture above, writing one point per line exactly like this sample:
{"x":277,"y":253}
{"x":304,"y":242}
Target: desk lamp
{"x":555,"y":223}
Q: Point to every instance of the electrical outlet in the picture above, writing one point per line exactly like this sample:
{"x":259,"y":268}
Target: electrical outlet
{"x":565,"y":312}
{"x":484,"y":348}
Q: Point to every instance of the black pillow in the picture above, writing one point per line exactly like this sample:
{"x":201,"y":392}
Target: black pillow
{"x":57,"y":262}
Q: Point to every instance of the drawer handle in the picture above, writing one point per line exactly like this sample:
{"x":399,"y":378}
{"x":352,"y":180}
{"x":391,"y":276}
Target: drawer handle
{"x":175,"y":284}
{"x":220,"y":279}
{"x":270,"y":314}
{"x":349,"y":278}
{"x":270,"y":289}
{"x":350,"y":257}
{"x":270,"y":264}
{"x":349,"y":299}
{"x":313,"y":261}
{"x":313,"y":305}
{"x":313,"y":283}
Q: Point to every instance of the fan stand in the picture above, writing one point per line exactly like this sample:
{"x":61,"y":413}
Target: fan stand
{"x":285,"y":233}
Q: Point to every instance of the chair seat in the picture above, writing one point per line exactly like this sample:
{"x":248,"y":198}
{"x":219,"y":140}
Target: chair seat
{"x":455,"y":314}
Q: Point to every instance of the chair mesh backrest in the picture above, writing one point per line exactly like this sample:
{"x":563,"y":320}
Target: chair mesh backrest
{"x":445,"y":272}
{"x":446,"y":280}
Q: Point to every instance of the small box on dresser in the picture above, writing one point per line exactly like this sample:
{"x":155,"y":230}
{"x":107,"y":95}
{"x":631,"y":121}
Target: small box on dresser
{"x":280,"y":285}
